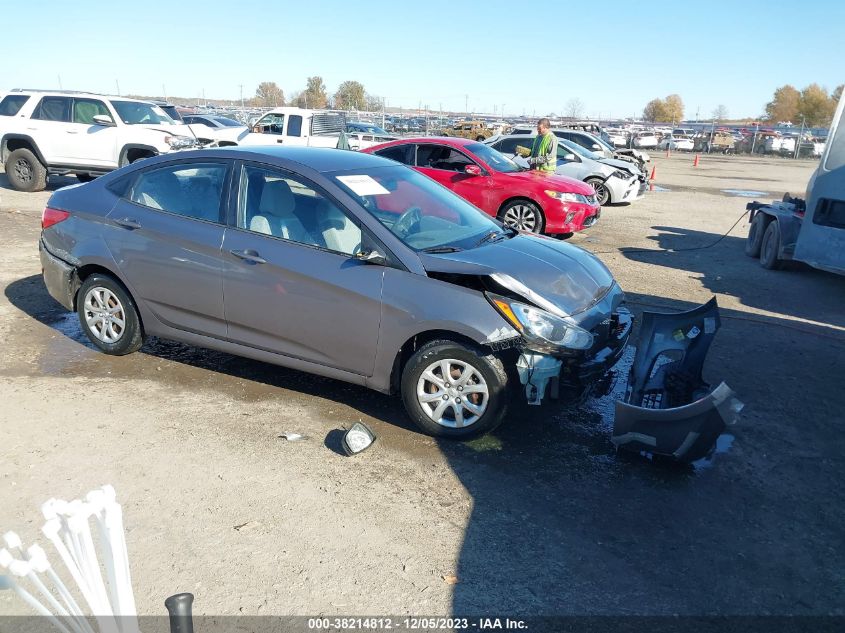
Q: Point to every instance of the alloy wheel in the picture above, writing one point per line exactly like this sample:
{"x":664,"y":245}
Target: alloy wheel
{"x":522,"y":217}
{"x":453,"y":393}
{"x":104,"y":314}
{"x":23,"y":170}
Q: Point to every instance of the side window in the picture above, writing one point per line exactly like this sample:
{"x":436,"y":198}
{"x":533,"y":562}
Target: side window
{"x":53,"y":109}
{"x":280,"y":205}
{"x":441,"y":157}
{"x":194,"y":190}
{"x":271,"y":124}
{"x":11,"y":104}
{"x":84,"y":110}
{"x":399,"y":153}
{"x":295,"y":125}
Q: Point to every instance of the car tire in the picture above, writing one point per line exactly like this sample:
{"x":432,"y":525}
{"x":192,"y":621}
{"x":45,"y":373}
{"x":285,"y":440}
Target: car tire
{"x":755,"y":235}
{"x":770,"y":247}
{"x":479,"y":138}
{"x":602,"y":192}
{"x":422,"y":379}
{"x":108,"y":316}
{"x":25,"y":172}
{"x":523,"y":215}
{"x":85,"y":177}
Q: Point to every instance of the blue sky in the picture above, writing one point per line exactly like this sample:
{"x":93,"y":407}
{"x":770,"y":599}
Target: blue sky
{"x":533,"y":56}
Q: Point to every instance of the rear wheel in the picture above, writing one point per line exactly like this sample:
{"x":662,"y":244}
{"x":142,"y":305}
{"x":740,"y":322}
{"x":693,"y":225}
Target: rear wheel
{"x":602,"y":192}
{"x":770,"y":248}
{"x":523,"y":215}
{"x":108,"y":316}
{"x":453,"y":390}
{"x":755,"y":235}
{"x":25,"y":172}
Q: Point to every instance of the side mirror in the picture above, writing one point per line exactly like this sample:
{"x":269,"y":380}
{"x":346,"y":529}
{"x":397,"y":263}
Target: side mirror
{"x":596,"y":146}
{"x":256,"y":129}
{"x":104,"y":120}
{"x":371,"y":256}
{"x":569,"y":157}
{"x":472,"y":170}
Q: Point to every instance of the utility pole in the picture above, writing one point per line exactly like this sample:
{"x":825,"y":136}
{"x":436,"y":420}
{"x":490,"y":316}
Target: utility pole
{"x":60,"y":82}
{"x":117,"y":83}
{"x":242,"y":96}
{"x":466,"y":105}
{"x":798,"y":140}
{"x":164,"y":91}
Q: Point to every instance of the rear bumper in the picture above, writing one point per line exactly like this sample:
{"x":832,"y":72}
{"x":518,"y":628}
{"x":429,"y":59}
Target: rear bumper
{"x":59,"y":277}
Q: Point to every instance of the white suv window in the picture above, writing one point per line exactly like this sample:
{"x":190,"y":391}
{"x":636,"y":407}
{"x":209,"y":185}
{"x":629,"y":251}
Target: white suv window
{"x":11,"y":104}
{"x":84,"y":110}
{"x":53,"y":109}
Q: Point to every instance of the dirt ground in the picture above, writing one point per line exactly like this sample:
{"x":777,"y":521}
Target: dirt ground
{"x":540,"y":518}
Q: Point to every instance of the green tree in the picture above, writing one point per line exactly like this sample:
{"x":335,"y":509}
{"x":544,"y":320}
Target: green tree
{"x":674,"y":109}
{"x":816,"y":106}
{"x":574,"y":108}
{"x":837,"y":95}
{"x":268,"y":94}
{"x":314,"y":94}
{"x":655,"y":110}
{"x":350,"y":95}
{"x":784,"y":104}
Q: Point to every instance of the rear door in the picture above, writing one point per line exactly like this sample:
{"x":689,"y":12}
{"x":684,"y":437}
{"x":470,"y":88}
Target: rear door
{"x":165,"y":233}
{"x":291,"y":283}
{"x":50,"y":126}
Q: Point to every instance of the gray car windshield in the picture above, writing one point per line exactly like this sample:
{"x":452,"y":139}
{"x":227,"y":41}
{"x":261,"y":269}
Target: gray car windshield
{"x":423,"y":214}
{"x":137,"y":113}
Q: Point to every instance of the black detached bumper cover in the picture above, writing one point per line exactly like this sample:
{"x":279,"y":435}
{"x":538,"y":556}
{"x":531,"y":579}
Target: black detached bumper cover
{"x":668,"y":409}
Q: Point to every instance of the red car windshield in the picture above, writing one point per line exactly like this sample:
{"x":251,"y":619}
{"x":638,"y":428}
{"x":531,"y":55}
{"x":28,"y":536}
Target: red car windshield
{"x":494,"y":158}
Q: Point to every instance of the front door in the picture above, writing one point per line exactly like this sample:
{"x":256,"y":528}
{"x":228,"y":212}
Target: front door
{"x":165,"y":234}
{"x":291,"y":283}
{"x":89,"y":143}
{"x":447,"y":166}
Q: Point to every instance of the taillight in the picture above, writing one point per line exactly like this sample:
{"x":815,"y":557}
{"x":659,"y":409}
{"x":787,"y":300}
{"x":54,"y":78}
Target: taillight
{"x":52,"y":216}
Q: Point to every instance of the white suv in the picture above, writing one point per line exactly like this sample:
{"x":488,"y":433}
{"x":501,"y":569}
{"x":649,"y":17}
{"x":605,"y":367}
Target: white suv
{"x":62,"y":132}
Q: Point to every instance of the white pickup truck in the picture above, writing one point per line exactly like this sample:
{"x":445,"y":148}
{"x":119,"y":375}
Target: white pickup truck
{"x":297,"y":126}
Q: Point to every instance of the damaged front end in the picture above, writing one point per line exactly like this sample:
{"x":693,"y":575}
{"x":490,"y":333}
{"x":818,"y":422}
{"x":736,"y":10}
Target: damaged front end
{"x":668,"y":409}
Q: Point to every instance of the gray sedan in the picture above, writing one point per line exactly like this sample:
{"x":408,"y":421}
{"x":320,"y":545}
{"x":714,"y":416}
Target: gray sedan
{"x":340,"y":264}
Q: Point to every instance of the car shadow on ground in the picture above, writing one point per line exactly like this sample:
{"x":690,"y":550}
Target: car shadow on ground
{"x":723,"y":268}
{"x":53,"y":182}
{"x":561,"y":524}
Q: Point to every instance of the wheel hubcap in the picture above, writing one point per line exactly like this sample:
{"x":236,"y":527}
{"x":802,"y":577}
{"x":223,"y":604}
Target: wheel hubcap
{"x":522,"y":217}
{"x":452,"y":393}
{"x":23,"y":169}
{"x":104,"y":314}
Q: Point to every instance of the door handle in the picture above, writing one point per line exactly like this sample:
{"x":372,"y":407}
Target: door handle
{"x":71,"y":131}
{"x":249,"y":256}
{"x":128,"y":223}
{"x":280,"y":140}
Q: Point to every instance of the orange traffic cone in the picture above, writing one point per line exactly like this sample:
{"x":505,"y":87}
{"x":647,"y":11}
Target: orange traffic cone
{"x":653,"y":171}
{"x":695,"y":162}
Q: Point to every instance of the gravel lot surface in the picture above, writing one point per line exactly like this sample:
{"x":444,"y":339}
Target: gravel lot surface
{"x":540,"y":518}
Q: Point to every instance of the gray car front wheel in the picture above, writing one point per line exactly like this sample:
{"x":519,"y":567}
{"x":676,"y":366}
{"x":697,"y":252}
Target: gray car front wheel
{"x":454,"y":390}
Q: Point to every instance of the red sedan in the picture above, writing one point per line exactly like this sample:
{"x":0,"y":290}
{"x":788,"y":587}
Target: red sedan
{"x":526,"y":200}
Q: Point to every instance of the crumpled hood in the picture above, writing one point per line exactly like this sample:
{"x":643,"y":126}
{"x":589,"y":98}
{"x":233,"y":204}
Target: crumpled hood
{"x":622,"y":164}
{"x":543,"y":270}
{"x":554,"y":181}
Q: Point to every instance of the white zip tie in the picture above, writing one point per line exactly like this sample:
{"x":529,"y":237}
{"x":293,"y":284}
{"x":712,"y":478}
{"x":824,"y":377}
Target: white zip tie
{"x":9,"y":583}
{"x":51,"y":531}
{"x":37,"y":558}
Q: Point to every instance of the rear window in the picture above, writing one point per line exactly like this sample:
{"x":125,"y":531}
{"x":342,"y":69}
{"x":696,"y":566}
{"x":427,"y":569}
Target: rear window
{"x":53,"y":109}
{"x":11,"y":104}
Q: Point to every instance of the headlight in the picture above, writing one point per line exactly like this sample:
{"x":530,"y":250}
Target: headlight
{"x":621,"y":174}
{"x":179,"y":142}
{"x":541,"y":327}
{"x":566,"y":196}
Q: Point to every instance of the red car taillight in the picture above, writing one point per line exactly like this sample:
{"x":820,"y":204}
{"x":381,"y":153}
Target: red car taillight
{"x":52,"y":216}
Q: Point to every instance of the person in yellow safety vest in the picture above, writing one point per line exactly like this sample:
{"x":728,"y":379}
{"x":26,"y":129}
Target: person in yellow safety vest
{"x":544,"y":149}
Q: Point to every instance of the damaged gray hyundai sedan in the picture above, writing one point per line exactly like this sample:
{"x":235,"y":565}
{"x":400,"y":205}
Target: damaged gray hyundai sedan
{"x":340,"y":264}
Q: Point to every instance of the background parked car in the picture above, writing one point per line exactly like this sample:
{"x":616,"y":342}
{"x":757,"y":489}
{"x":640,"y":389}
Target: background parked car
{"x":611,"y":184}
{"x":475,"y":130}
{"x":214,"y":127}
{"x":643,"y":140}
{"x":527,"y":200}
{"x":678,"y":142}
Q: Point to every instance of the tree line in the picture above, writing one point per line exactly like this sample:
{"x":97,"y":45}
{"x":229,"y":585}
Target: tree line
{"x":350,"y":95}
{"x":813,"y":105}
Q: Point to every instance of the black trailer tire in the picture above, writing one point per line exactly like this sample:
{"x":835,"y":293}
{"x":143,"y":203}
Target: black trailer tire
{"x":770,"y":247}
{"x":108,"y":316}
{"x":423,"y":378}
{"x":755,"y":234}
{"x":25,"y":172}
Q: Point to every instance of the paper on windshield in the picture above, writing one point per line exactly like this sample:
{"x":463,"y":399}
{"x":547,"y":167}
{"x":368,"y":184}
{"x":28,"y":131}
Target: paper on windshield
{"x":363,"y":185}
